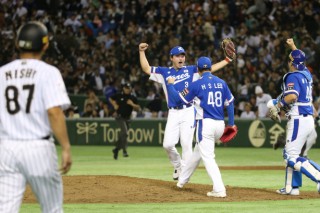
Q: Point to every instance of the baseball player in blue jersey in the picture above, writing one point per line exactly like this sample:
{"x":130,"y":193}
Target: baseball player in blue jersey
{"x":181,"y":117}
{"x":296,"y":101}
{"x":214,"y":95}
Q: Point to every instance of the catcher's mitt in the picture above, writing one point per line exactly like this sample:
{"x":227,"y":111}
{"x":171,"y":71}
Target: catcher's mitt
{"x":229,"y":133}
{"x":229,"y":49}
{"x":281,"y":141}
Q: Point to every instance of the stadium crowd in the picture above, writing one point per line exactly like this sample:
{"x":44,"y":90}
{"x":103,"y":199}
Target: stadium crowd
{"x":95,"y":42}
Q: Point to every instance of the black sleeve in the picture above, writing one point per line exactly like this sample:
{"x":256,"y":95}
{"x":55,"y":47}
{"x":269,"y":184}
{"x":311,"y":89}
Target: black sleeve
{"x":134,"y":99}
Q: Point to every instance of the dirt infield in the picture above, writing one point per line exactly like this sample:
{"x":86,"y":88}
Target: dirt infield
{"x":122,"y":189}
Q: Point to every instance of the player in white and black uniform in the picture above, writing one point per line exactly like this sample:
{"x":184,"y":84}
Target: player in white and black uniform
{"x":33,"y":96}
{"x":181,"y":117}
{"x":214,"y":95}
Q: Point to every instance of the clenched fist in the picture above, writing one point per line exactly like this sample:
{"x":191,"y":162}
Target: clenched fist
{"x":143,"y":46}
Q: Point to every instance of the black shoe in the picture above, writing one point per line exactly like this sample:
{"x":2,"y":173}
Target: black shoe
{"x":115,"y":153}
{"x":125,"y":154}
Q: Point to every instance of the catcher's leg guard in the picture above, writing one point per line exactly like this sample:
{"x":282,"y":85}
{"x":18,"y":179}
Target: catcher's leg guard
{"x":296,"y":179}
{"x":293,"y":180}
{"x":314,"y":164}
{"x":303,"y":165}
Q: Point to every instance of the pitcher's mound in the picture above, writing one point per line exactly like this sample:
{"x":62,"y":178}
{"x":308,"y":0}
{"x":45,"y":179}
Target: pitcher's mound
{"x":122,"y":189}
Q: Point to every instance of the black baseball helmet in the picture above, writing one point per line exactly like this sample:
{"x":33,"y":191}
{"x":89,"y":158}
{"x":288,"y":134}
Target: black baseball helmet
{"x":32,"y":36}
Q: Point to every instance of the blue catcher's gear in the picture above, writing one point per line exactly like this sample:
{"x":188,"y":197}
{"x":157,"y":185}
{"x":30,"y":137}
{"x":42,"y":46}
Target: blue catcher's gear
{"x":297,"y":58}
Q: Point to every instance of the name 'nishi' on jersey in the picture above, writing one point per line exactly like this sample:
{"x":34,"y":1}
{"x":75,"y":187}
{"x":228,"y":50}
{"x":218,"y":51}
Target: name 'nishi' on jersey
{"x":30,"y":87}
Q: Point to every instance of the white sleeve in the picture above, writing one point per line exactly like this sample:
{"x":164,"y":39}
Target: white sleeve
{"x":54,"y":91}
{"x":156,"y":77}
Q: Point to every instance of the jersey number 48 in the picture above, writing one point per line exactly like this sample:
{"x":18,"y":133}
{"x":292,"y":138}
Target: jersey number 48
{"x":215,"y":99}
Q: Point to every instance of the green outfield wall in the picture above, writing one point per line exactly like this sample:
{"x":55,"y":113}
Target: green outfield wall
{"x":252,"y":133}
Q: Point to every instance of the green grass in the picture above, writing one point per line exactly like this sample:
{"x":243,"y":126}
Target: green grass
{"x":152,"y":162}
{"x":309,"y":206}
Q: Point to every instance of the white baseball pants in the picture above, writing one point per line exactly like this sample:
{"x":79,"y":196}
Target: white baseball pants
{"x":208,"y":131}
{"x":180,"y":125}
{"x":34,"y":162}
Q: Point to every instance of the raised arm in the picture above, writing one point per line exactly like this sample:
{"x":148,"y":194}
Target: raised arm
{"x":215,"y":67}
{"x":229,"y":51}
{"x":143,"y":59}
{"x":291,"y":44}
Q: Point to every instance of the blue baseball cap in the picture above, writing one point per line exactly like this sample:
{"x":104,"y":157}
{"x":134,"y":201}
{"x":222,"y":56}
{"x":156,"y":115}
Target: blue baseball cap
{"x":204,"y":63}
{"x":177,"y":50}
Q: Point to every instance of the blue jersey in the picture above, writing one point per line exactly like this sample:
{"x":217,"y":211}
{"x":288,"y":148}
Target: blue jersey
{"x":184,"y":76}
{"x":300,"y":84}
{"x":213,"y":93}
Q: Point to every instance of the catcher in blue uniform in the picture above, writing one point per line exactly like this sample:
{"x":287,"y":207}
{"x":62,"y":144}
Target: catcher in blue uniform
{"x":296,"y":101}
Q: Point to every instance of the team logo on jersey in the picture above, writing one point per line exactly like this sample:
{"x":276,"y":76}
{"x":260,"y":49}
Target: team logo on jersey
{"x":184,"y":92}
{"x":182,"y":77}
{"x":290,"y":86}
{"x":185,"y":71}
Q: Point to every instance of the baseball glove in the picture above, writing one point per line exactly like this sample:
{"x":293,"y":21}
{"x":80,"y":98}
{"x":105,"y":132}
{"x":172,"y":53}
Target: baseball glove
{"x":274,"y":114}
{"x":229,"y":49}
{"x":229,"y":133}
{"x":281,"y":141}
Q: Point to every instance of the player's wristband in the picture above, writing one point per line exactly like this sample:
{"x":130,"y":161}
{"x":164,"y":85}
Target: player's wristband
{"x":283,"y":103}
{"x":228,"y":60}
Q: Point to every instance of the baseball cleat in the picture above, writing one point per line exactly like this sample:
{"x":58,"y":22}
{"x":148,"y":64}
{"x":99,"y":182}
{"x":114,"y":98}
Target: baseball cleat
{"x":115,"y":153}
{"x":176,"y":174}
{"x":217,"y":194}
{"x":125,"y":154}
{"x":294,"y":191}
{"x":180,"y":185}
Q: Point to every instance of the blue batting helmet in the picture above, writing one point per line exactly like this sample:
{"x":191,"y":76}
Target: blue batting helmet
{"x":297,"y":58}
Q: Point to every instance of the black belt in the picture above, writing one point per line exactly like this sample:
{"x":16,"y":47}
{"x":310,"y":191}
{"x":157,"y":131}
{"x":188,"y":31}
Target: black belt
{"x":181,"y":106}
{"x":46,"y":137}
{"x":304,"y":115}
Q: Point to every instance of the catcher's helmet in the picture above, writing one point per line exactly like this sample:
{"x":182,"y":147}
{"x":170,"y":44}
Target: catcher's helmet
{"x":32,"y":36}
{"x":297,"y":58}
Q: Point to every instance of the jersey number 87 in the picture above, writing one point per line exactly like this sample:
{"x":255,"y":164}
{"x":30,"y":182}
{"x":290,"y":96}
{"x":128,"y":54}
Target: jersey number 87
{"x":12,"y":94}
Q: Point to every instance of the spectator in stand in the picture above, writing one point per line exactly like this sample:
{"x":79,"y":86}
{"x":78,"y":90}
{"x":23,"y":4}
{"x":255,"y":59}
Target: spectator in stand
{"x":262,"y":100}
{"x":92,"y":99}
{"x":89,"y":111}
{"x":248,"y":113}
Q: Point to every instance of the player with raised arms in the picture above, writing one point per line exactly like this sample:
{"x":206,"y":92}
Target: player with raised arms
{"x":296,"y":101}
{"x":214,"y":95}
{"x":181,"y":118}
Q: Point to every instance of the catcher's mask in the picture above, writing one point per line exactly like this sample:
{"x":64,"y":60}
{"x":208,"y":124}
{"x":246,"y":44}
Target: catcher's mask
{"x":297,"y":58}
{"x":32,"y":37}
